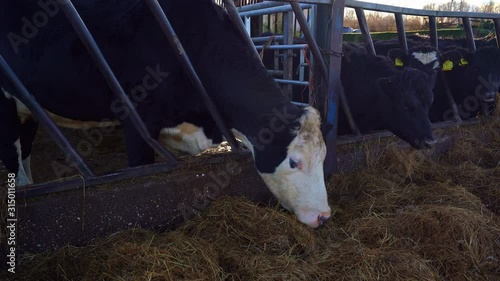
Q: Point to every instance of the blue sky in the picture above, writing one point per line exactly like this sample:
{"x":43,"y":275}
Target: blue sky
{"x":420,"y":4}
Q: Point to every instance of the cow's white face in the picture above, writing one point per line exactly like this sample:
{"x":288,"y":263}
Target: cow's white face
{"x":298,"y":181}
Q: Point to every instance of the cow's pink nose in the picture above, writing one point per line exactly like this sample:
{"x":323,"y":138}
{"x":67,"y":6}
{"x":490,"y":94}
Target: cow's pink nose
{"x":323,"y":217}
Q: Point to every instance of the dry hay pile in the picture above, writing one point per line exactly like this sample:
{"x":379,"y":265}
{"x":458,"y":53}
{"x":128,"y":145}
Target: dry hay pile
{"x":406,"y":216}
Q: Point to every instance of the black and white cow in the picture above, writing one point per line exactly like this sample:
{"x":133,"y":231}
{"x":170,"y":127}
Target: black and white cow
{"x":285,"y":140}
{"x":383,"y":97}
{"x":472,"y":77}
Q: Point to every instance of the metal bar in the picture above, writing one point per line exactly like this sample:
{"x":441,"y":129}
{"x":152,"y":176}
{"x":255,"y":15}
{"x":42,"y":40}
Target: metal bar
{"x":264,"y":39}
{"x":313,"y":21}
{"x":128,"y":173}
{"x":335,"y":88}
{"x":410,"y":11}
{"x":400,"y":25}
{"x":497,"y":30}
{"x":365,"y":31}
{"x":259,"y":6}
{"x":274,"y":10}
{"x":275,"y":72}
{"x":248,"y":25}
{"x":396,"y":9}
{"x":27,"y":99}
{"x":89,"y":42}
{"x":433,"y":32}
{"x":321,"y":61}
{"x":172,"y":38}
{"x":451,"y":100}
{"x":469,"y":34}
{"x":288,"y":58}
{"x":292,"y":82}
{"x":300,"y":103}
{"x":283,"y":47}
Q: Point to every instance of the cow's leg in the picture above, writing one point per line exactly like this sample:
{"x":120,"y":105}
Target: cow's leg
{"x":27,"y":136}
{"x":138,"y":151}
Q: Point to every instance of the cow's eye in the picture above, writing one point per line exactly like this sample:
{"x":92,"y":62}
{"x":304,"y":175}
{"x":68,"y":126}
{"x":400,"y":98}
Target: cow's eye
{"x":294,"y":163}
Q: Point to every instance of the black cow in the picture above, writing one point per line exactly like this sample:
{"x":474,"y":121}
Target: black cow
{"x":44,"y":51}
{"x":472,"y":77}
{"x":383,"y":97}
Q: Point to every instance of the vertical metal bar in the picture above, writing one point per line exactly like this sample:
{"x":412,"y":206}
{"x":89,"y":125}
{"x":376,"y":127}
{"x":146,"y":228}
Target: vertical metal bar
{"x":469,"y":34}
{"x":451,"y":100}
{"x":238,"y":24}
{"x":89,"y":42}
{"x":27,"y":99}
{"x":433,"y":32}
{"x":248,"y":25}
{"x":321,"y":61}
{"x":288,"y":54}
{"x":400,"y":25}
{"x":334,"y":84}
{"x":301,"y":65}
{"x":365,"y":30}
{"x":313,"y":15}
{"x":497,"y":30}
{"x":172,"y":38}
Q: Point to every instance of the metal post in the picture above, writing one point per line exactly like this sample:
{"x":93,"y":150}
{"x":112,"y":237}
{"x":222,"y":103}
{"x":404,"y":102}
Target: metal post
{"x":27,"y":99}
{"x":288,"y":54}
{"x":365,"y":30}
{"x":497,"y":30}
{"x":469,"y":34}
{"x":334,"y":85}
{"x":172,"y":38}
{"x":401,"y":32}
{"x":433,"y":32}
{"x":89,"y":42}
{"x":451,"y":100}
{"x":321,"y":61}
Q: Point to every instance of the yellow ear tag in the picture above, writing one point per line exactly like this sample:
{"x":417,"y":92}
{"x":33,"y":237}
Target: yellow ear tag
{"x":463,"y":62}
{"x":447,"y":65}
{"x":398,"y":62}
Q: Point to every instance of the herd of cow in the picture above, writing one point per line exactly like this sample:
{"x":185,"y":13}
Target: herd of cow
{"x":392,"y":92}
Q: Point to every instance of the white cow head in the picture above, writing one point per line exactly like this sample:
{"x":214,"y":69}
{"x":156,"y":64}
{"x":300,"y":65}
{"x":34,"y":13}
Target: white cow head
{"x":297,"y":180}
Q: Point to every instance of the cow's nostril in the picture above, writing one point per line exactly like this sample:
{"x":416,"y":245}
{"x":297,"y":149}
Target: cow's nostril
{"x":322,"y":219}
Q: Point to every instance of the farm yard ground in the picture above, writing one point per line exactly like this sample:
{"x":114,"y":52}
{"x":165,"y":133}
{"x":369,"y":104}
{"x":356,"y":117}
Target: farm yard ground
{"x":406,"y":215}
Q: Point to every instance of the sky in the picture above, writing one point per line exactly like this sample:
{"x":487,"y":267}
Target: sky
{"x":420,"y":4}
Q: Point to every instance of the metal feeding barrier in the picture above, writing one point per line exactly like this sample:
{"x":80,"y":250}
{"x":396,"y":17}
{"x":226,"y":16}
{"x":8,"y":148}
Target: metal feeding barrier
{"x":333,"y":9}
{"x":324,"y":40}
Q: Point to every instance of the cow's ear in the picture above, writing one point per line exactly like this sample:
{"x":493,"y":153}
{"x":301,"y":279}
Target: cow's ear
{"x":397,"y":56}
{"x":451,"y":59}
{"x":384,"y":86}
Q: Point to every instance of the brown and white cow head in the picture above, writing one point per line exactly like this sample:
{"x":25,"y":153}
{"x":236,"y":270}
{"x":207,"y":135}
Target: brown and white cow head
{"x":291,"y":165}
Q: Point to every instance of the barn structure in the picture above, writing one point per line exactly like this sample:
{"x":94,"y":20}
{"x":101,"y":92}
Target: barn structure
{"x":75,"y":210}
